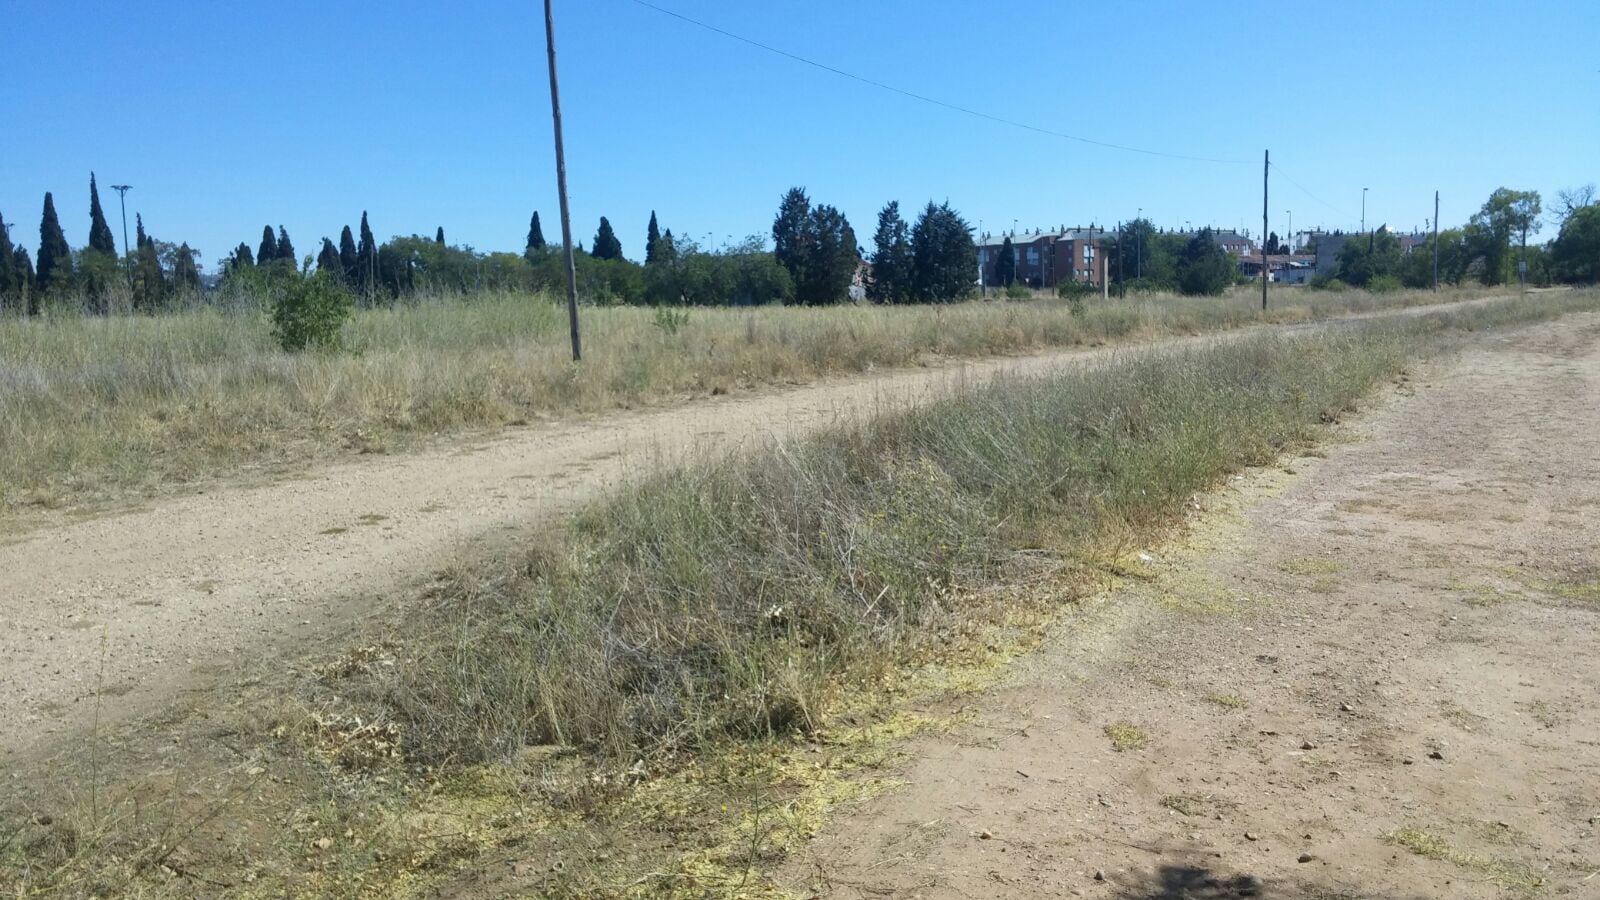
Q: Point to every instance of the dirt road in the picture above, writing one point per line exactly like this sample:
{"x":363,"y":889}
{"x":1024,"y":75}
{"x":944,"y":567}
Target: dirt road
{"x":136,"y":607}
{"x":1374,"y":676}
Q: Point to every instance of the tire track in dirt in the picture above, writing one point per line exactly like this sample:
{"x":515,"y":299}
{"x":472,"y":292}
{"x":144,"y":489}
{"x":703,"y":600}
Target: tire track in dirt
{"x":1374,"y":677}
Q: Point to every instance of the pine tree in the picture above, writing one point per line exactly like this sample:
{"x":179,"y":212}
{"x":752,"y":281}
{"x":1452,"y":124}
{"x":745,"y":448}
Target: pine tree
{"x":268,"y":251}
{"x":139,"y":237}
{"x":651,"y":236}
{"x":99,"y":232}
{"x":1005,"y":266}
{"x":438,"y":236}
{"x":536,"y":244}
{"x":347,"y":257}
{"x":55,"y":257}
{"x":286,"y":248}
{"x":328,"y":261}
{"x":367,"y":260}
{"x":891,"y":264}
{"x":606,"y":245}
{"x":242,"y":257}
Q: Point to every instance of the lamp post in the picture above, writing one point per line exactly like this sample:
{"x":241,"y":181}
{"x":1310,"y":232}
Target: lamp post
{"x":122,"y":200}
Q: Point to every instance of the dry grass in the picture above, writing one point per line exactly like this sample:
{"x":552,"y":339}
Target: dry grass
{"x":92,"y":408}
{"x":670,"y":644}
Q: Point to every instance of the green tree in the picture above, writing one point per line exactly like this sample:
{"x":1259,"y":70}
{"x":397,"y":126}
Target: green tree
{"x":55,"y":257}
{"x":242,"y":257}
{"x":536,"y":245}
{"x":1005,"y":264}
{"x":944,"y":259}
{"x":185,"y":271}
{"x":149,"y":280}
{"x":366,"y":279}
{"x":100,"y":239}
{"x":328,"y":261}
{"x":1575,"y":254}
{"x":606,"y":245}
{"x":1506,"y":214}
{"x":652,"y":236}
{"x":791,"y":237}
{"x":22,"y":268}
{"x":267,"y":253}
{"x":438,"y":236}
{"x":1205,"y":268}
{"x":10,"y":291}
{"x":892,"y":261}
{"x":286,"y":247}
{"x":347,"y":257}
{"x":1364,"y":258}
{"x":309,"y":313}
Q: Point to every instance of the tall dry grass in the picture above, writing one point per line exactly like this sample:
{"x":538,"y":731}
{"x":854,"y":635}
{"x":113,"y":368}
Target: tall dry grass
{"x":93,"y":407}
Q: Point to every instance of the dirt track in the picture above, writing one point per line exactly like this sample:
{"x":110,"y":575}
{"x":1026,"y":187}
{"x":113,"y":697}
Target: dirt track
{"x":1375,"y":677}
{"x":147,"y":604}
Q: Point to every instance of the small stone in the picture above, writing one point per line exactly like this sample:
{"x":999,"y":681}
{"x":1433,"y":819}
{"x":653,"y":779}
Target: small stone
{"x":1435,"y":755}
{"x":985,"y":835}
{"x":1407,"y":761}
{"x":1308,"y":745}
{"x":1251,"y":836}
{"x":1306,"y":857}
{"x":1345,"y":707}
{"x":322,"y":843}
{"x":1508,"y":824}
{"x":1099,"y":875}
{"x":255,"y":770}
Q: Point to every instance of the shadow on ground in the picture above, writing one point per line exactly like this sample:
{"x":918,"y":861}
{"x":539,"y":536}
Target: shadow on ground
{"x":1198,"y":883}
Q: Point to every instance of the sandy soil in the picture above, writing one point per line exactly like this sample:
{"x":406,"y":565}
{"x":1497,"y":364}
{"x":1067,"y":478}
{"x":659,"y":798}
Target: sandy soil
{"x":1375,"y":678}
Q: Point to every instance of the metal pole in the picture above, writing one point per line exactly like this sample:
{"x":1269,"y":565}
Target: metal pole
{"x":561,"y":183}
{"x":1266,"y":264}
{"x":1363,"y":210}
{"x":127,"y":257}
{"x":1436,"y":241}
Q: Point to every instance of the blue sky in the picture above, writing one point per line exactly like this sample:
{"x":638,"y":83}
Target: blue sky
{"x":226,"y":117}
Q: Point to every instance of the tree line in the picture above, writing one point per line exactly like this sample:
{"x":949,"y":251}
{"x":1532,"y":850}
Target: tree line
{"x":1487,"y":249}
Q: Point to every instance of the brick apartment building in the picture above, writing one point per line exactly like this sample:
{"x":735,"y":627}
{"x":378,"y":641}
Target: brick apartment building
{"x":1046,"y":259}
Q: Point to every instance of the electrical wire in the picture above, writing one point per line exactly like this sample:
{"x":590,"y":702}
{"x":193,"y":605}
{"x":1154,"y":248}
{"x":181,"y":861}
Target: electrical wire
{"x":1307,"y":192}
{"x":932,"y":100}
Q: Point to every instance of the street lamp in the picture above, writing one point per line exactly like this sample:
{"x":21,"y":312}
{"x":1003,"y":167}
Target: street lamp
{"x":122,"y":200}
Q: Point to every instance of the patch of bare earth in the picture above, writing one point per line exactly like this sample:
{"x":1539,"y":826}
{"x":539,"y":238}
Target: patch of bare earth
{"x":1376,"y":678}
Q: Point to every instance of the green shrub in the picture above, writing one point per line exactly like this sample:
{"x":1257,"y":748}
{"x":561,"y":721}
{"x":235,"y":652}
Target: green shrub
{"x":310,"y":312}
{"x":671,"y":320}
{"x":1327,"y":282}
{"x":1018,"y":292}
{"x":1384,"y":284}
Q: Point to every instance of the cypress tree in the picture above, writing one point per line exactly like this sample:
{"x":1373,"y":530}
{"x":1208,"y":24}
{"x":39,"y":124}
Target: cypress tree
{"x":99,"y":232}
{"x":8,"y":271}
{"x":285,"y":247}
{"x":242,"y":257}
{"x":139,"y":237}
{"x":651,"y":236}
{"x":366,"y":259}
{"x":55,"y":257}
{"x":185,"y":274}
{"x":943,"y":255}
{"x":791,"y":233}
{"x":438,"y":236}
{"x":328,"y":261}
{"x":347,"y":257}
{"x":149,"y":281}
{"x":22,"y":266}
{"x":606,"y":245}
{"x":1005,"y":266}
{"x":268,"y":251}
{"x":891,"y":264}
{"x":536,"y":243}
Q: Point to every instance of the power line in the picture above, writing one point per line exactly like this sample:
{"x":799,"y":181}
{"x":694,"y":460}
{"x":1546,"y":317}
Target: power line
{"x":1307,"y":191}
{"x":930,"y":100}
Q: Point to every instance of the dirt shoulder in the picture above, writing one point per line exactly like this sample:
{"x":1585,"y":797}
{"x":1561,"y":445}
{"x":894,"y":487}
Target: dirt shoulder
{"x":1374,"y":678}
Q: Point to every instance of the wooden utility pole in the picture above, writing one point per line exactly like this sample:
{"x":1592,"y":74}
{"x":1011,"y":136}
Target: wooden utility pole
{"x":1266,"y":264}
{"x":1436,"y":241}
{"x":561,"y":184}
